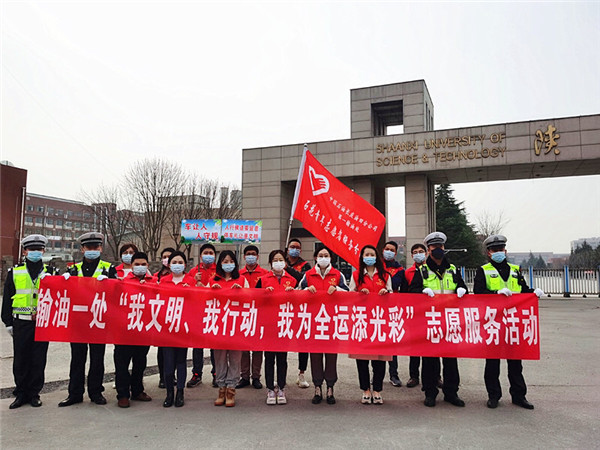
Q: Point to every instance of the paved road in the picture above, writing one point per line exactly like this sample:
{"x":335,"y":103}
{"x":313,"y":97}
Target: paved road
{"x":563,"y":385}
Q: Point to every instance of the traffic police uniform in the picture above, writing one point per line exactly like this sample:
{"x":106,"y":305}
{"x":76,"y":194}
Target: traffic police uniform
{"x":442,"y":279}
{"x":490,"y":279}
{"x":88,"y":268}
{"x":19,"y":309}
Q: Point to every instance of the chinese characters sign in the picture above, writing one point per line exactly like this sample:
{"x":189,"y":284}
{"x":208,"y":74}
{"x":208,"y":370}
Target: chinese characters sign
{"x":225,"y":230}
{"x":241,"y":230}
{"x":200,"y":231}
{"x":112,"y":311}
{"x":334,"y":214}
{"x":546,"y":140}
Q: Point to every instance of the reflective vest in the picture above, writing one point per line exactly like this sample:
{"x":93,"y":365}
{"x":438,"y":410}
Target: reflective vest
{"x":494,"y":281}
{"x":444,"y":286}
{"x":25,"y":299}
{"x":101,"y":267}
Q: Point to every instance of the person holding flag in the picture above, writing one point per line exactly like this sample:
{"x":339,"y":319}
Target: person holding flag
{"x":323,"y":279}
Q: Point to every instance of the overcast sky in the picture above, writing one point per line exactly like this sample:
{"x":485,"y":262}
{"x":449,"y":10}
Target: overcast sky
{"x":89,"y":88}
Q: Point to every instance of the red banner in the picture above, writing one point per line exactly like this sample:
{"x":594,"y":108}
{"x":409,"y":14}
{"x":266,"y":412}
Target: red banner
{"x":112,"y":311}
{"x":334,"y":214}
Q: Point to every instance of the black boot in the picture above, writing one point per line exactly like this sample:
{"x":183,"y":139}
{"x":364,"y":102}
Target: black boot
{"x":169,"y":400}
{"x":179,"y":398}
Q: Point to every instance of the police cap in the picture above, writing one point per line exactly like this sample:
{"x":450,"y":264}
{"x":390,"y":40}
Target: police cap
{"x":495,"y":240}
{"x":93,"y":238}
{"x":34,"y":240}
{"x":437,"y":237}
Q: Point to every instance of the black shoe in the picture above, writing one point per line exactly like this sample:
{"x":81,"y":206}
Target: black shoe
{"x":456,"y":401}
{"x":195,"y":381}
{"x":395,"y":381}
{"x":412,"y":382}
{"x":169,"y":399}
{"x":179,"y":398}
{"x":70,"y":401}
{"x":19,"y":401}
{"x":492,"y":403}
{"x":318,"y":396}
{"x":243,"y":383}
{"x":36,"y":402}
{"x":522,"y":402}
{"x":98,"y":399}
{"x":429,"y":401}
{"x":330,"y":397}
{"x":256,"y":384}
{"x":161,"y":384}
{"x":214,"y":382}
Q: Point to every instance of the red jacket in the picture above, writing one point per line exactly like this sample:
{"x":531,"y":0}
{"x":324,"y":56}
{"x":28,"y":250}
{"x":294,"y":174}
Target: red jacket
{"x":253,"y":276}
{"x":410,"y":273}
{"x":120,"y":271}
{"x":271,"y":280}
{"x":227,"y":284}
{"x":205,"y":272}
{"x":187,"y":279}
{"x":373,"y":285}
{"x":131,"y":278}
{"x":322,"y":284}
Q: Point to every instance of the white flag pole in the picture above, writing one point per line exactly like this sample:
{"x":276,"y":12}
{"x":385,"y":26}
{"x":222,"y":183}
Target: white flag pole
{"x":296,"y":193}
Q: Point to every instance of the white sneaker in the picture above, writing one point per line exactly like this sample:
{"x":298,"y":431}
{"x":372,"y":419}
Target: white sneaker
{"x":366,"y":399}
{"x":377,"y":399}
{"x":301,"y":382}
{"x":281,"y":400}
{"x":271,"y":398}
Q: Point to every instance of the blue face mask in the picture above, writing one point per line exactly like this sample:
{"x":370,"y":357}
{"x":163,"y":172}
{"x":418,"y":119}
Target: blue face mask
{"x":228,"y":267}
{"x":126,"y":258}
{"x":251,"y":259}
{"x":177,"y":269}
{"x":419,"y":258}
{"x":139,"y":271}
{"x":369,"y":260}
{"x":208,"y":259}
{"x":294,"y":252}
{"x":91,"y":254}
{"x":34,"y":255}
{"x":388,"y":255}
{"x":498,"y":257}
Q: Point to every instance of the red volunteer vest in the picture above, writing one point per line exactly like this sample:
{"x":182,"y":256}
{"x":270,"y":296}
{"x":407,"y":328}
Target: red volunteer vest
{"x":187,"y":279}
{"x":271,"y":280}
{"x":205,"y":273}
{"x":253,"y":276}
{"x":226,"y":284}
{"x":322,"y":284}
{"x":373,"y":285}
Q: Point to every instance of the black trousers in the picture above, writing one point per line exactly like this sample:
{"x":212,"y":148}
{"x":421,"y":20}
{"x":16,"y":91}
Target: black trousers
{"x":363,"y":374}
{"x":77,"y":370}
{"x":518,"y":388}
{"x":431,"y":374}
{"x":393,"y":367}
{"x":160,"y":360}
{"x":198,"y":361}
{"x":130,"y":384}
{"x":302,"y":362}
{"x":29,"y":362}
{"x":413,"y":366}
{"x":175,"y":359}
{"x":328,"y":372}
{"x":282,"y":366}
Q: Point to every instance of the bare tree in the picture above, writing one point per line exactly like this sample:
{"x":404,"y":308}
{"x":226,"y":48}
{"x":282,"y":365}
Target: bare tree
{"x":112,"y":216}
{"x":489,"y":223}
{"x":154,"y":186}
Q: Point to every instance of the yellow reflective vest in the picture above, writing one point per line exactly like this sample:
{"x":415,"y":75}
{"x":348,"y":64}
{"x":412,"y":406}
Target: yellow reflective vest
{"x":102,"y":265}
{"x":444,"y":286}
{"x":494,"y":281}
{"x":25,"y":299}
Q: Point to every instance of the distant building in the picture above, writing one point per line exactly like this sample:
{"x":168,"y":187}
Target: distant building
{"x":592,"y":242}
{"x":13,"y":186}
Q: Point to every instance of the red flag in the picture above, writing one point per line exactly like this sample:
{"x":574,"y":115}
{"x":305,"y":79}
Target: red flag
{"x":333,"y":213}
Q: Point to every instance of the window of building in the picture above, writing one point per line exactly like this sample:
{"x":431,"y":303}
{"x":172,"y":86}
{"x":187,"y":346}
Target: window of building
{"x":59,"y":223}
{"x":49,"y":221}
{"x":29,"y":207}
{"x":69,"y":213}
{"x":40,"y":209}
{"x":78,"y":214}
{"x":78,"y":225}
{"x":86,"y":226}
{"x":68,"y":224}
{"x":50,"y":210}
{"x":28,"y":220}
{"x":39,"y":220}
{"x":57,"y":244}
{"x":87,"y":215}
{"x":67,"y":234}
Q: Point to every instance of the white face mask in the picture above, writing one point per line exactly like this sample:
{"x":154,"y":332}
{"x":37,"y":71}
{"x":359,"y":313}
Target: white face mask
{"x":323,"y":262}
{"x":278,"y":265}
{"x":165,"y":262}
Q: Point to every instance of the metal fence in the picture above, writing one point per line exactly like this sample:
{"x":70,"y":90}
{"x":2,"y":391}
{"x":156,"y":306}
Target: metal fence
{"x":565,"y":281}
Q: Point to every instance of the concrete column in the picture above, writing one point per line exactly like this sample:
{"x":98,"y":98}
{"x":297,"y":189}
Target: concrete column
{"x":419,"y":196}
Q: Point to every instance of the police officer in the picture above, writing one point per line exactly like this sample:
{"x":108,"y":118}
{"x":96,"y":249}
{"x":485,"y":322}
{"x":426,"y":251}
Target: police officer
{"x":438,"y":276}
{"x":91,"y":266}
{"x":500,"y":277}
{"x":19,"y":308}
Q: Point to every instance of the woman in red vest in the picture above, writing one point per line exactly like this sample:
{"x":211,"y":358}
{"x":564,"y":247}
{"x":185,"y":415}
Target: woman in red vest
{"x":371,"y":277}
{"x":276,"y":280}
{"x":175,"y":357}
{"x":126,"y":251}
{"x":323,"y":279}
{"x":227,"y":362}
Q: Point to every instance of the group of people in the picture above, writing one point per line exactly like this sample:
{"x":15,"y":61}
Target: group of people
{"x":378,"y":272}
